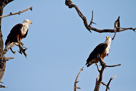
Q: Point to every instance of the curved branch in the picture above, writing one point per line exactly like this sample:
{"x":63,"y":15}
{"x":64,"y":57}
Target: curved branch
{"x":16,"y":12}
{"x":70,"y":4}
{"x":75,"y":83}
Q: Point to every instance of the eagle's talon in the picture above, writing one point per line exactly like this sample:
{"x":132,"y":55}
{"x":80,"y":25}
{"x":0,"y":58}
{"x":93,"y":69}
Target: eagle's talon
{"x":12,"y":51}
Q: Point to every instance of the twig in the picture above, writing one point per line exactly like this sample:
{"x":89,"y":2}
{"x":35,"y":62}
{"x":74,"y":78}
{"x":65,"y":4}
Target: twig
{"x":70,"y":4}
{"x":107,"y":86}
{"x":97,"y":67}
{"x":113,"y":65}
{"x":7,"y":58}
{"x":91,"y":22}
{"x":75,"y":83}
{"x":16,"y":12}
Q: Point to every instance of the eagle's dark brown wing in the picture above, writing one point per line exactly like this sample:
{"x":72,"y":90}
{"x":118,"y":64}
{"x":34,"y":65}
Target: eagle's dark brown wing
{"x":13,"y":33}
{"x":98,"y":50}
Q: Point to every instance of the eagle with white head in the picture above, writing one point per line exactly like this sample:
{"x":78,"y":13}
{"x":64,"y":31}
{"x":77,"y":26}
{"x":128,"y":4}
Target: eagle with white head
{"x":102,"y":49}
{"x":18,"y":32}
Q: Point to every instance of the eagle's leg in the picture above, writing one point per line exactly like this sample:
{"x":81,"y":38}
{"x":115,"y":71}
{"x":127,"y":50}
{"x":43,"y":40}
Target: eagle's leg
{"x":20,"y":43}
{"x":12,"y":51}
{"x":22,"y":49}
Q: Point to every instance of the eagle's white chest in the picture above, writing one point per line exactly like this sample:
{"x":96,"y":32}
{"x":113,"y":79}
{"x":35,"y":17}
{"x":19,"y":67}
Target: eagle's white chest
{"x":107,"y":49}
{"x":24,"y":29}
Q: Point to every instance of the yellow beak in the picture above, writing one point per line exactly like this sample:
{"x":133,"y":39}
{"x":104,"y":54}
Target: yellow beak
{"x":30,"y":22}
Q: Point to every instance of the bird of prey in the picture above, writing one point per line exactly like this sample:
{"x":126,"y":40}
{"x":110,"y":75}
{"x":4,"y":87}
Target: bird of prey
{"x":18,"y":32}
{"x":102,"y":49}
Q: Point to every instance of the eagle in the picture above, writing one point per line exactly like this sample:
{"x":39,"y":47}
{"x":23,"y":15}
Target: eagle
{"x":102,"y":49}
{"x":18,"y":32}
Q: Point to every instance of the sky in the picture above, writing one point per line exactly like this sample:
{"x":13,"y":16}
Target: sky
{"x":59,"y":44}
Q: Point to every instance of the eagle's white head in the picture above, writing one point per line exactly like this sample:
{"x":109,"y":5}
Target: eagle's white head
{"x":108,"y":40}
{"x":27,"y":21}
{"x":25,"y":27}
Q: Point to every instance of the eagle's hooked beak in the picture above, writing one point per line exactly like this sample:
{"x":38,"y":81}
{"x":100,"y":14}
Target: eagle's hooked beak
{"x":107,"y":37}
{"x":30,"y":22}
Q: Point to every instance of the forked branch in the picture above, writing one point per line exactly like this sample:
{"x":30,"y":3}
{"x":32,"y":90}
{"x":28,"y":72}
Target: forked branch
{"x":99,"y":77}
{"x":70,"y":4}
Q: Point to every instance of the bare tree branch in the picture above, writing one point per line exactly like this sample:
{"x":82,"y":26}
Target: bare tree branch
{"x":70,"y":4}
{"x":16,"y":12}
{"x":100,"y":76}
{"x":20,"y":45}
{"x":75,"y":83}
{"x":107,"y":86}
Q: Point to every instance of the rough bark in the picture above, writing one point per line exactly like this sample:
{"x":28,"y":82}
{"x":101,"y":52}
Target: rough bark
{"x":3,"y":3}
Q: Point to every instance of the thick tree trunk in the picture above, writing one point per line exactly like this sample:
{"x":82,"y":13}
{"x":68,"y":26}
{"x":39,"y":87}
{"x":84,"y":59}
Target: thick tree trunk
{"x":3,"y":3}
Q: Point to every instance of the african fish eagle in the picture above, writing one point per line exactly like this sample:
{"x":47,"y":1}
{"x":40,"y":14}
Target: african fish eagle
{"x":18,"y":32}
{"x":102,"y":49}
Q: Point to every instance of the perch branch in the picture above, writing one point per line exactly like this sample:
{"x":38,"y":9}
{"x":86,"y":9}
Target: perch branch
{"x":75,"y":83}
{"x":16,"y":12}
{"x":70,"y":4}
{"x":99,"y":77}
{"x":19,"y":44}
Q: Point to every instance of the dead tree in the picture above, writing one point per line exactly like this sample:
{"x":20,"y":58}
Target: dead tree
{"x":99,"y":77}
{"x":70,"y":4}
{"x":89,"y":27}
{"x":3,"y":59}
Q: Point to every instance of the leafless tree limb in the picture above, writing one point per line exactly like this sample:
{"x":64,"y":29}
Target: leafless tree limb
{"x":75,"y":83}
{"x":70,"y":4}
{"x":16,"y":12}
{"x":107,"y":86}
{"x":20,"y":45}
{"x":99,"y":77}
